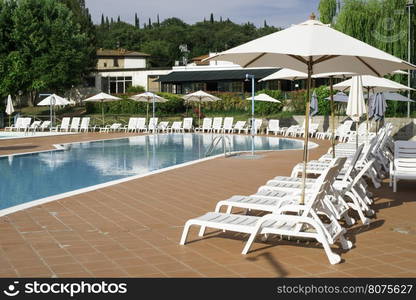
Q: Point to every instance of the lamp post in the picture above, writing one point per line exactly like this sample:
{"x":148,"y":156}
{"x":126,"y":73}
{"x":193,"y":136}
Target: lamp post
{"x":248,"y":77}
{"x":409,"y":5}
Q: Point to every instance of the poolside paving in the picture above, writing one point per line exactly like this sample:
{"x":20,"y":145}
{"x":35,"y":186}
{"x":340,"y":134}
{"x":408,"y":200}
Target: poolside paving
{"x":132,"y":229}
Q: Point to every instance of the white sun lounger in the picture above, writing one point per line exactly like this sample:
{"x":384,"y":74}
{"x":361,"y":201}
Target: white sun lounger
{"x":404,"y":165}
{"x":75,"y":124}
{"x":239,"y":126}
{"x":228,"y":125}
{"x":113,"y":127}
{"x":141,"y":125}
{"x":279,"y":223}
{"x":206,"y":125}
{"x":85,"y":123}
{"x":163,"y":126}
{"x":176,"y":127}
{"x":273,"y":126}
{"x":187,"y":124}
{"x":152,"y":124}
{"x":131,"y":126}
{"x":45,"y":125}
{"x":217,"y":124}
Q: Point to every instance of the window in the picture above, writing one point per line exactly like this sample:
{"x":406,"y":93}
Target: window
{"x":119,"y":85}
{"x":105,"y":65}
{"x":115,"y":63}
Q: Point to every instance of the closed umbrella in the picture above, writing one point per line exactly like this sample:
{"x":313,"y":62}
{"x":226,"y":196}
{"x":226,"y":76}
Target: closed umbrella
{"x":356,"y":104}
{"x":200,"y":96}
{"x":314,"y":104}
{"x":312,"y":47}
{"x":102,"y":97}
{"x":148,"y":97}
{"x":9,"y":107}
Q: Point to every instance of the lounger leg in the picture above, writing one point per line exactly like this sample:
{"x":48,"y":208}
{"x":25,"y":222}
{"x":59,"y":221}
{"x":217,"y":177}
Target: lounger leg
{"x":202,"y":231}
{"x":332,"y":257}
{"x":345,"y":244}
{"x":249,"y":243}
{"x":394,"y":184}
{"x":185,"y":232}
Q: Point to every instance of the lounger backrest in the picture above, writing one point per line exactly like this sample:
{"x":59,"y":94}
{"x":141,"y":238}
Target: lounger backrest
{"x":217,"y":123}
{"x":187,"y":123}
{"x":18,"y":123}
{"x":313,"y":127}
{"x":132,"y":123}
{"x":207,"y":123}
{"x":35,"y":124}
{"x":141,"y":123}
{"x":354,"y":160}
{"x":163,"y":125}
{"x":85,"y":122}
{"x":257,"y":124}
{"x":177,"y":125}
{"x":153,"y":123}
{"x":75,"y":123}
{"x":405,"y":157}
{"x":45,"y":124}
{"x":26,"y":122}
{"x":228,"y":123}
{"x":65,"y":123}
{"x":115,"y":126}
{"x":348,"y":124}
{"x":273,"y":125}
{"x":322,"y":186}
{"x":240,"y":124}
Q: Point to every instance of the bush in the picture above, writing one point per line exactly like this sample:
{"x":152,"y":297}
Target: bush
{"x":135,"y":89}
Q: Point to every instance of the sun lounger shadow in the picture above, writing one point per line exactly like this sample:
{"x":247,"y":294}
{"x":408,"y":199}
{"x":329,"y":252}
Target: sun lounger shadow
{"x":352,"y":232}
{"x":280,"y":270}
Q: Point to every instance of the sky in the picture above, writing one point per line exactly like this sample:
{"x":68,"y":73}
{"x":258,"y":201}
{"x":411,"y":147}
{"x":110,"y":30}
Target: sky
{"x":276,"y":12}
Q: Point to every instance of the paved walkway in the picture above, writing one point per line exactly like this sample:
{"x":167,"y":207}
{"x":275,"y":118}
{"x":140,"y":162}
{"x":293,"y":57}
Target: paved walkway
{"x":132,"y":229}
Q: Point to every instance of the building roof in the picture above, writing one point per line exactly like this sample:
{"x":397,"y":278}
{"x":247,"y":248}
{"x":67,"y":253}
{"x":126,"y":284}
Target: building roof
{"x":215,"y":75}
{"x":120,"y":53}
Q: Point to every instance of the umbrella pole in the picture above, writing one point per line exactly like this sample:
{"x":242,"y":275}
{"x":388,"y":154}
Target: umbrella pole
{"x":368,"y":103}
{"x":147,"y":112}
{"x":102,"y":110}
{"x":331,"y":90}
{"x":154,"y":129}
{"x":199,"y":113}
{"x":306,"y":137}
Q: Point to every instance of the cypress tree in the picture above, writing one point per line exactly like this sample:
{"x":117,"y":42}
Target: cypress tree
{"x":150,"y":23}
{"x":327,"y":10}
{"x":118,"y":19}
{"x":102,"y":19}
{"x":211,"y":18}
{"x":158,"y":21}
{"x":265,"y":24}
{"x":107,"y":22}
{"x":112,"y":20}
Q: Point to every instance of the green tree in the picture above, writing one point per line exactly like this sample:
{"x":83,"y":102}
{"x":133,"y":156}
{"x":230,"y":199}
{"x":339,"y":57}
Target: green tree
{"x":211,"y":18}
{"x":327,"y":10}
{"x":47,"y":49}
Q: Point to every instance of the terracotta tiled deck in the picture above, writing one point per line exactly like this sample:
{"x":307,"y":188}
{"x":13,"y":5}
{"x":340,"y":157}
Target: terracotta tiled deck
{"x":132,"y":229}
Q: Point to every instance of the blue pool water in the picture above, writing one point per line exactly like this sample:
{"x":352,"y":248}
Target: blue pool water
{"x":24,"y":178}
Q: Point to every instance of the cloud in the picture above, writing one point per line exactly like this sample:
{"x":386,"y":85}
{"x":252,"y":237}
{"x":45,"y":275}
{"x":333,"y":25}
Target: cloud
{"x":276,"y":12}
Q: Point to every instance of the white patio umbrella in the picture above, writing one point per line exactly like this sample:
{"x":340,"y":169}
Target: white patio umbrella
{"x":289,"y":74}
{"x":51,"y":101}
{"x":9,"y":107}
{"x":376,"y":84}
{"x":102,"y":97}
{"x":339,"y":97}
{"x":356,"y":105}
{"x":313,"y":47}
{"x":392,"y":96}
{"x":200,"y":96}
{"x":264,"y":98}
{"x":148,"y":97}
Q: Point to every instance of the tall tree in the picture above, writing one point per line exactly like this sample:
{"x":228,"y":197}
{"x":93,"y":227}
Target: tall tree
{"x":158,"y":21}
{"x":136,"y":21}
{"x":102,"y":19}
{"x":150,"y":23}
{"x":265,"y":24}
{"x":327,"y":10}
{"x":47,"y":50}
{"x":211,"y":18}
{"x":118,"y":19}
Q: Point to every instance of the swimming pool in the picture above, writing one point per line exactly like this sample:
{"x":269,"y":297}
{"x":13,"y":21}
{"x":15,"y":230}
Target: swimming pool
{"x":28,"y":177}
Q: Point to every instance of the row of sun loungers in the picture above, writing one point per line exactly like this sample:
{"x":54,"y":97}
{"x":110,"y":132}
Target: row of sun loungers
{"x":340,"y":188}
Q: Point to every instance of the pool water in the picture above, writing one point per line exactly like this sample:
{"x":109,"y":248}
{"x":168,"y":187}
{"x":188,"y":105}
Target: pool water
{"x":28,"y":177}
